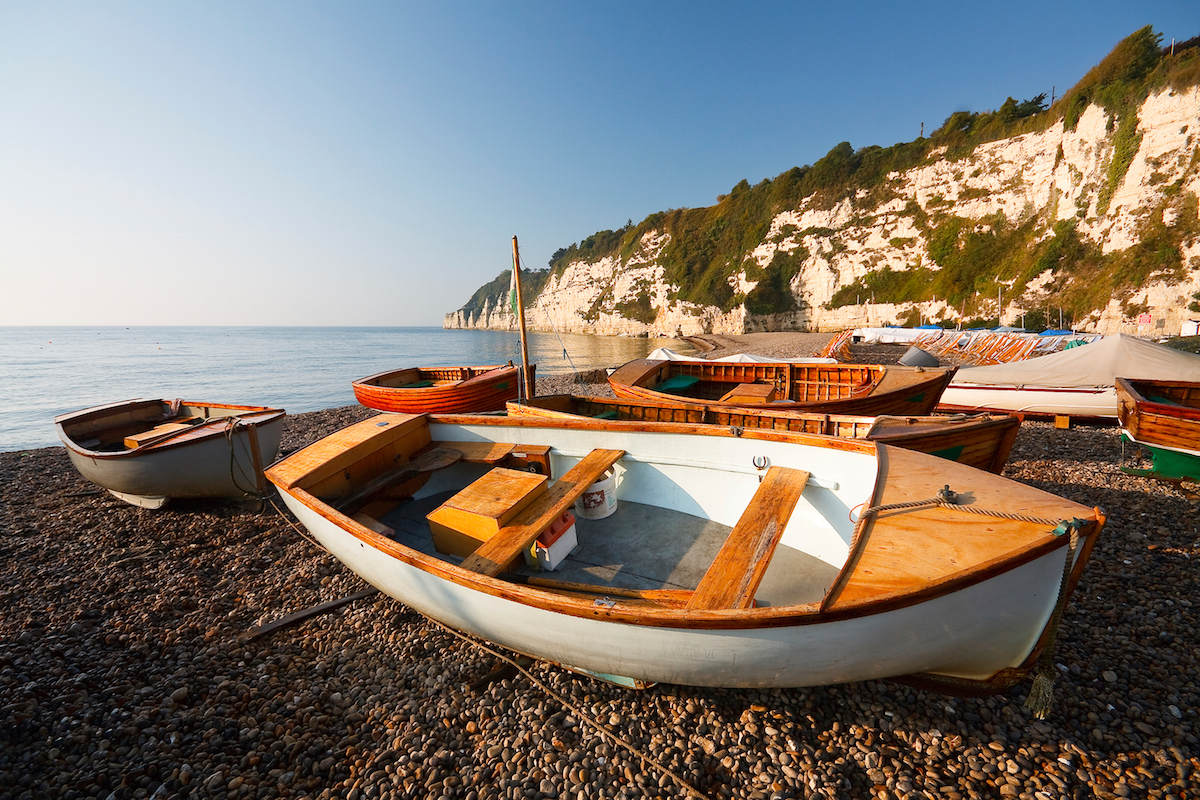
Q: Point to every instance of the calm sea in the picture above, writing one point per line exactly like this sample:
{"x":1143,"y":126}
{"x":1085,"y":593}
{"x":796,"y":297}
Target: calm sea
{"x":48,"y":371}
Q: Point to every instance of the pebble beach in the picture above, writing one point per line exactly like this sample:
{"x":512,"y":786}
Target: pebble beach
{"x":126,"y":670}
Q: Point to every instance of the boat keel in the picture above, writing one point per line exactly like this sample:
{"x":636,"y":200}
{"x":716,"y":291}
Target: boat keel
{"x":140,"y":500}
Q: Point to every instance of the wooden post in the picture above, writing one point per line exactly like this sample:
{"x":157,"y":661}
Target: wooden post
{"x":526,"y":375}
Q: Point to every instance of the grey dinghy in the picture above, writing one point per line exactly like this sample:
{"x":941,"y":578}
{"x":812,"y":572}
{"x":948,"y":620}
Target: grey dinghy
{"x":148,"y":451}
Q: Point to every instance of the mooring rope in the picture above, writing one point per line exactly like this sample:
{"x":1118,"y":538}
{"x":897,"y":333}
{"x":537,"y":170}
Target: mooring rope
{"x":1041,"y":692}
{"x":948,"y":499}
{"x":230,"y":429}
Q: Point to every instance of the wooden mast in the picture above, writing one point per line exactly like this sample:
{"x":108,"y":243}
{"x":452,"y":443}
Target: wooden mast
{"x":526,"y":375}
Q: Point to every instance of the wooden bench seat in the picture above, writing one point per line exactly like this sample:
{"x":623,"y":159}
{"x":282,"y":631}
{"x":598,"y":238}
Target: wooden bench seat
{"x":493,"y":556}
{"x":479,"y":452}
{"x":734,"y":575}
{"x":138,"y":439}
{"x":750,"y":394}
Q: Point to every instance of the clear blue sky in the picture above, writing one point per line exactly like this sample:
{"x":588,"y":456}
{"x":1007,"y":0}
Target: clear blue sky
{"x":362,"y":163}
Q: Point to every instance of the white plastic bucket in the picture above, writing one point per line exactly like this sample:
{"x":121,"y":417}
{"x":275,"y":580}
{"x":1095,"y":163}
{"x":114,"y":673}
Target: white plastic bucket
{"x":600,"y":499}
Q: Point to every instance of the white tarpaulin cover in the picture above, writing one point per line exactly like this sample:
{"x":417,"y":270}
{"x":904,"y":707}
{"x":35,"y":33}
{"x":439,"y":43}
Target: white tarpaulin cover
{"x":666,"y":354}
{"x":891,"y":335}
{"x":1096,"y":364}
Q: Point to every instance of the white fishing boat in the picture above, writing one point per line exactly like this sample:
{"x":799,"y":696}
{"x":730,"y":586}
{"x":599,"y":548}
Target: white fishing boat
{"x":1079,"y":382}
{"x":741,"y":558}
{"x":148,"y":451}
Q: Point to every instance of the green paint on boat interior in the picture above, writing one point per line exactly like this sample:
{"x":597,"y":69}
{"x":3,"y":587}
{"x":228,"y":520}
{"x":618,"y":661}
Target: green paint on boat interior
{"x":916,"y":398}
{"x":950,"y":453}
{"x":609,"y":414}
{"x":677,"y":383}
{"x":1156,"y":398}
{"x":417,"y":385}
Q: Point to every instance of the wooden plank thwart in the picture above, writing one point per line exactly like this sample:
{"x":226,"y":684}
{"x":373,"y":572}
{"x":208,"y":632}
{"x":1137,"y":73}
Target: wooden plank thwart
{"x":734,"y":575}
{"x":138,"y":439}
{"x":494,"y":555}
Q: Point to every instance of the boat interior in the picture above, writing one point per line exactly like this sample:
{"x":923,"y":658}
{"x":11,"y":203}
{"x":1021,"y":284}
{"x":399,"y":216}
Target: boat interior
{"x":696,"y":537}
{"x":1172,"y":393}
{"x":141,"y":424}
{"x":704,"y":521}
{"x":760,"y":384}
{"x":425,"y":377}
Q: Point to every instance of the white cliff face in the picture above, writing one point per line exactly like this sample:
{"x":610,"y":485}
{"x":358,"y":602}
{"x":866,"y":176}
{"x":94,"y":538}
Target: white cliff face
{"x":1053,"y":174}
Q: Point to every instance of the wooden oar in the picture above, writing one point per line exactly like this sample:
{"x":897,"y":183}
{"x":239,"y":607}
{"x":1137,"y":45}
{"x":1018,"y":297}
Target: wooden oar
{"x":297,"y":616}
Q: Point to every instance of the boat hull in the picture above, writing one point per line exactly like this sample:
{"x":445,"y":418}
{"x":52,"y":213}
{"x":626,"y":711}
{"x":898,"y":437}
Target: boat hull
{"x":219,"y":450}
{"x":821,"y":388}
{"x":1164,"y":418}
{"x":485,"y":392}
{"x":212,"y":467}
{"x":1099,"y":403}
{"x":969,"y":635}
{"x":926,"y":591}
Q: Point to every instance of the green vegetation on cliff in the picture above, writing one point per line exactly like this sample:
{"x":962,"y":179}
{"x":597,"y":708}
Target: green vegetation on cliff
{"x":495,"y":291}
{"x":977,"y":257}
{"x":708,"y":246}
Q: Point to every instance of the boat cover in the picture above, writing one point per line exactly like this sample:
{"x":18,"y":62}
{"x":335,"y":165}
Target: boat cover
{"x":1096,"y":364}
{"x":666,"y":354}
{"x":889,"y":335}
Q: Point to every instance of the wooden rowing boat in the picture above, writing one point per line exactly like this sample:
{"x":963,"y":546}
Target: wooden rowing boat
{"x":981,"y":440}
{"x":1164,"y":418}
{"x":148,"y":451}
{"x":417,"y":390}
{"x":765,"y":558}
{"x":866,"y":389}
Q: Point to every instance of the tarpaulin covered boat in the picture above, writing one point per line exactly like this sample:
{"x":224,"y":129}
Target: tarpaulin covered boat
{"x":1079,"y":382}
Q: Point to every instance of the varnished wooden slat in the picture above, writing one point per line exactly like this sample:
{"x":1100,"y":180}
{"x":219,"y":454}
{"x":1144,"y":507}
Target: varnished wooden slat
{"x":907,"y":551}
{"x":344,"y":448}
{"x":496,"y":553}
{"x":479,"y":452}
{"x":669,"y":598}
{"x":734,"y":575}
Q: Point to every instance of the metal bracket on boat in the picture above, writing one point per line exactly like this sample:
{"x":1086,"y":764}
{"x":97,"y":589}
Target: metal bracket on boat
{"x":760,"y":463}
{"x":604,"y":602}
{"x":736,"y":430}
{"x":948,"y":495}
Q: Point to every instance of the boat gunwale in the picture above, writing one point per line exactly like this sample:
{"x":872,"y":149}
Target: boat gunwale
{"x":765,"y":617}
{"x":168,"y":442}
{"x":1143,"y":405}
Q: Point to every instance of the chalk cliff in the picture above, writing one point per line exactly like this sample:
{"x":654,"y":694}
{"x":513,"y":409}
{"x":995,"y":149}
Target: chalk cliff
{"x":1089,"y":205}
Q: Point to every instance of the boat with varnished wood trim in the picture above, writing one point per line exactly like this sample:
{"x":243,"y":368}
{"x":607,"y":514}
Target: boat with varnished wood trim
{"x":1163,"y":417}
{"x":148,"y":451}
{"x":769,"y":558}
{"x":417,"y":390}
{"x":866,"y":389}
{"x":977,"y":440}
